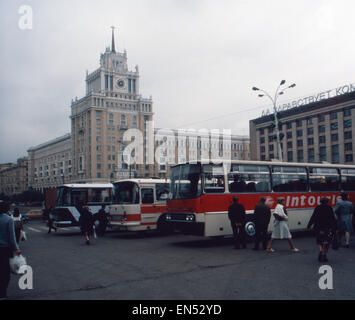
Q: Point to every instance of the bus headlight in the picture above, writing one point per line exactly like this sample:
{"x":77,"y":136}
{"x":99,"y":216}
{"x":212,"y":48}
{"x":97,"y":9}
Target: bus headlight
{"x":190,"y":217}
{"x":168,"y":217}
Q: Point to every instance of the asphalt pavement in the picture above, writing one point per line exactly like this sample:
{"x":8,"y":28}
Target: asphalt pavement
{"x":177,"y":267}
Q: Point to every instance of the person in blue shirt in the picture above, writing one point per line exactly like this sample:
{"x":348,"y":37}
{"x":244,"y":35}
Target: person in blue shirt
{"x":8,"y":245}
{"x":344,"y":211}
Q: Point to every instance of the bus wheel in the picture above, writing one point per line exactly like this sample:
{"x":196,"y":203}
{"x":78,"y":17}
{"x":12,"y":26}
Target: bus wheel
{"x":163,"y":228}
{"x":250,"y":229}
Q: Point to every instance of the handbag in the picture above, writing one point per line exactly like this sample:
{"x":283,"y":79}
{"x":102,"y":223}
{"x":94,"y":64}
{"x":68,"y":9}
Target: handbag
{"x":278,"y":218}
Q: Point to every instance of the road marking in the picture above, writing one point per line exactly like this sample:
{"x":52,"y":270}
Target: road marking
{"x":33,"y":229}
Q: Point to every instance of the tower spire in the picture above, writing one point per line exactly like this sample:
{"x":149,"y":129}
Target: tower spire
{"x":113,"y":49}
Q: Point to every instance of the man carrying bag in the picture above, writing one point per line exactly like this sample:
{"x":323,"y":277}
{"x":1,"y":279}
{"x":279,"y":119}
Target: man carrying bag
{"x":8,"y":245}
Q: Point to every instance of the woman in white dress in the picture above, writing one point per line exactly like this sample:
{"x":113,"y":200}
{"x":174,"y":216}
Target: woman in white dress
{"x":281,"y":230}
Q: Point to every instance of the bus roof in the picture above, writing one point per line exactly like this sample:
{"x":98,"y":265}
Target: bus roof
{"x":88,"y":185}
{"x":145,"y":180}
{"x":275,"y":163}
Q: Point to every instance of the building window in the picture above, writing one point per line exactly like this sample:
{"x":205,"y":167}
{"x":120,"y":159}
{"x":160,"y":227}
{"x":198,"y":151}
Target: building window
{"x":310,"y":155}
{"x":348,"y":146}
{"x":289,"y":144}
{"x":289,"y":125}
{"x":310,"y":131}
{"x":310,"y":121}
{"x":347,"y":112}
{"x":321,"y":118}
{"x":290,"y":156}
{"x":271,"y":147}
{"x":123,"y":120}
{"x":348,"y":158}
{"x":335,"y":153}
{"x":300,"y":156}
{"x":310,"y":141}
{"x":262,"y":140}
{"x":334,"y":126}
{"x":299,"y":123}
{"x":335,"y":137}
{"x":271,"y":138}
{"x":134,"y":122}
{"x":289,"y":135}
{"x":262,"y":131}
{"x":321,"y":139}
{"x":322,"y":154}
{"x":333,"y":115}
{"x":299,"y":143}
{"x":262,"y":149}
{"x":347,"y":123}
{"x":299,"y":133}
{"x":347,"y":135}
{"x":98,"y":166}
{"x":321,"y":129}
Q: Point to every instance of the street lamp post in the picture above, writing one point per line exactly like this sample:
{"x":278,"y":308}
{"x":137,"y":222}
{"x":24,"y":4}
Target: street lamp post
{"x":274,"y":102}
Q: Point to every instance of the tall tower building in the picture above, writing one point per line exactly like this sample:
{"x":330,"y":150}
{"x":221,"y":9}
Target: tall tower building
{"x":112,"y":105}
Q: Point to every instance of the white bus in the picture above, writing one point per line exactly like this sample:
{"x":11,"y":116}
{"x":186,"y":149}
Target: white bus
{"x":71,"y":196}
{"x":139,"y":204}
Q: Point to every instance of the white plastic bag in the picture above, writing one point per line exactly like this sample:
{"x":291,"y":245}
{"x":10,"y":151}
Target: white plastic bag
{"x":23,"y":236}
{"x":16,"y":263}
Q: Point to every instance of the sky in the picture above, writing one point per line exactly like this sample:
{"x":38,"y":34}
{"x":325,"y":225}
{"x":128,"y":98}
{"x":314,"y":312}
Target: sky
{"x":198,"y":59}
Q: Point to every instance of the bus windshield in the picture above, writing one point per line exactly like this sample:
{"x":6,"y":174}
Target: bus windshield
{"x":125,"y":193}
{"x":185,"y":181}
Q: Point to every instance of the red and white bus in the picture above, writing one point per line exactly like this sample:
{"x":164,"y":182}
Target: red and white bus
{"x":139,"y":204}
{"x":200,"y":194}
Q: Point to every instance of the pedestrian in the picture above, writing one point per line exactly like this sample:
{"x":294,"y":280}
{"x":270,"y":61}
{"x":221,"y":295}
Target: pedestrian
{"x":102,"y":218}
{"x":325,"y":226}
{"x":18,"y":224}
{"x":344,"y":211}
{"x":236,"y":214}
{"x":51,"y":221}
{"x":86,"y":222}
{"x":262,"y":216}
{"x":8,"y":245}
{"x":281,"y":230}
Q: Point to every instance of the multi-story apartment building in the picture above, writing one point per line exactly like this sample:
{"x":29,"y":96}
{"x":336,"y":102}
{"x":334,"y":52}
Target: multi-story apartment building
{"x":112,"y":104}
{"x":317,"y":132}
{"x":173,"y":147}
{"x":14,"y":178}
{"x":50,"y":163}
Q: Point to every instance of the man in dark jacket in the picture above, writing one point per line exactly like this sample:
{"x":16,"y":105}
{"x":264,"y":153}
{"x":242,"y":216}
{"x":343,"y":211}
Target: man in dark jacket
{"x":86,"y":222}
{"x":325,"y":226}
{"x":8,"y":245}
{"x":236,"y":214}
{"x":262,"y":216}
{"x":102,"y":218}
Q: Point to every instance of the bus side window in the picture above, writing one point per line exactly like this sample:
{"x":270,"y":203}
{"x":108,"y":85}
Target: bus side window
{"x":162,"y":191}
{"x":147,"y":195}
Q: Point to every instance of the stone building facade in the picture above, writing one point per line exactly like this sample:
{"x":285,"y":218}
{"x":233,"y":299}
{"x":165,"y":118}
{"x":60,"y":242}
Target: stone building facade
{"x":50,"y":163}
{"x":14,"y":177}
{"x":318,"y":132}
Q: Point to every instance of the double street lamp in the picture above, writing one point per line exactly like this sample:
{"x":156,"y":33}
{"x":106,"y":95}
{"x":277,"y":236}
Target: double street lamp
{"x":280,"y":91}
